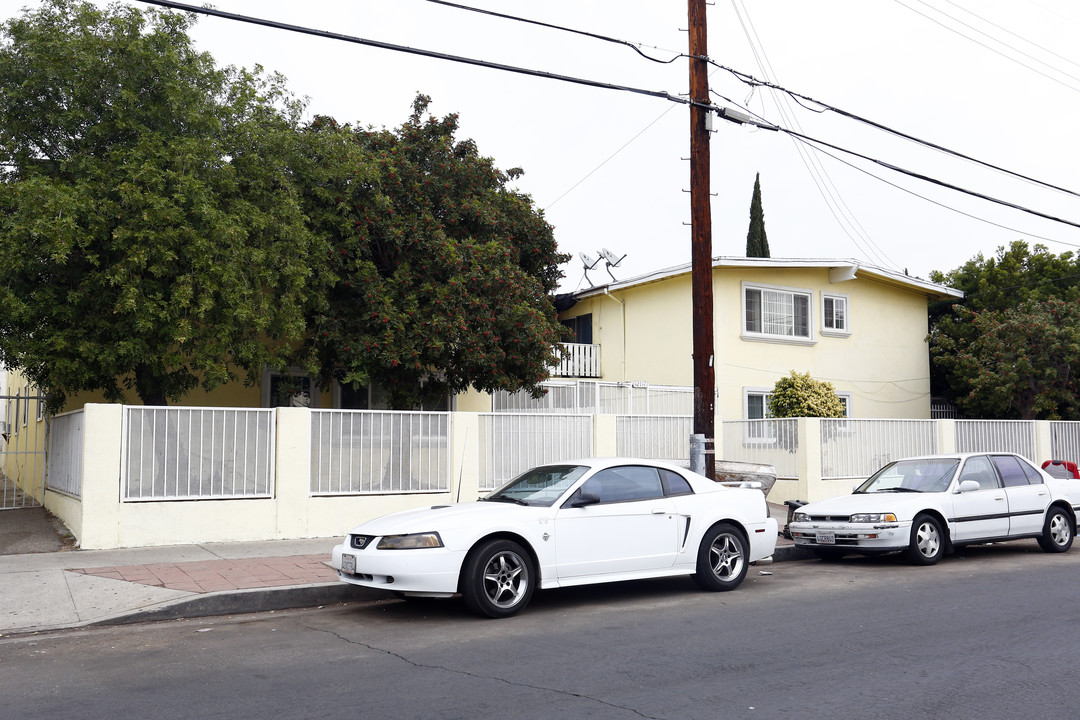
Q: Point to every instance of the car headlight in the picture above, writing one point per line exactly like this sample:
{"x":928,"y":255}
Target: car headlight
{"x":800,"y":517}
{"x":410,"y":542}
{"x":873,"y":517}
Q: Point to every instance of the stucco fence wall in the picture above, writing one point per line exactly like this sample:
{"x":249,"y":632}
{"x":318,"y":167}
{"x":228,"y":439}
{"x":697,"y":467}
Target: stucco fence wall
{"x":91,"y":491}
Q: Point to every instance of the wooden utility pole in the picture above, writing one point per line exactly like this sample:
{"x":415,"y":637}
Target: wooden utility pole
{"x":701,"y":236}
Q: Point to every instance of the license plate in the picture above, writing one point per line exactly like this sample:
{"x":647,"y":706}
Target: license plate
{"x":826,"y":538}
{"x":348,"y":564}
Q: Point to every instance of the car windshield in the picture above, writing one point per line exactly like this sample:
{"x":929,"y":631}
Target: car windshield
{"x":921,"y":475}
{"x":540,"y":486}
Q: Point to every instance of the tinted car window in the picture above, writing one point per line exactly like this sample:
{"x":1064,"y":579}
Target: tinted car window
{"x":1011,"y":472}
{"x":1033,"y":475}
{"x":630,"y":482}
{"x":675,"y":484}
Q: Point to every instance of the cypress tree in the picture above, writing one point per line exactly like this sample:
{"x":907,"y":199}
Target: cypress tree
{"x":757,"y":244}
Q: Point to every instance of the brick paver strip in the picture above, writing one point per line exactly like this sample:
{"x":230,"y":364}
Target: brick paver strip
{"x":215,"y":575}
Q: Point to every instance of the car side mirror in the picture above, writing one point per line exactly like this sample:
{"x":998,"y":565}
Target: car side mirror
{"x":967,"y":486}
{"x":585,"y":499}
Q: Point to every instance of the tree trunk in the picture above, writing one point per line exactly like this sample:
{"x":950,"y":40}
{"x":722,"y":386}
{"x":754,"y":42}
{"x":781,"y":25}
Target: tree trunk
{"x":149,"y":386}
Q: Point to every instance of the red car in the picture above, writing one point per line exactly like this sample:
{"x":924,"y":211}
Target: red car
{"x":1061,"y":469}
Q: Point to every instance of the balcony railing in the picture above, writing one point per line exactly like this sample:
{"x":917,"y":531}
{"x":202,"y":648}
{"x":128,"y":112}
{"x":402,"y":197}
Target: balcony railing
{"x":578,"y":360}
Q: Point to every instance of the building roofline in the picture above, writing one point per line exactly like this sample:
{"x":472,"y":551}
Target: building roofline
{"x":851,"y":268}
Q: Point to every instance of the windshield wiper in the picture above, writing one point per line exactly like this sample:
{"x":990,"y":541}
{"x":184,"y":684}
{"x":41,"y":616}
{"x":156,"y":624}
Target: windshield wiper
{"x":901,"y":489}
{"x":507,"y":498}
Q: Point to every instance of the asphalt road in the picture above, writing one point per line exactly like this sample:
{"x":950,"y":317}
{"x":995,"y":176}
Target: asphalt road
{"x":991,"y":633}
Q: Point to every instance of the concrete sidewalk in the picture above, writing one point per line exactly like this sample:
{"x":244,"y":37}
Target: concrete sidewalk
{"x":41,"y":591}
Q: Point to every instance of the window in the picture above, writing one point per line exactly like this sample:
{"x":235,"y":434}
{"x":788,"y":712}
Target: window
{"x":757,"y":409}
{"x":834,"y":314}
{"x":623,"y":484}
{"x":979,"y":469}
{"x":675,"y":484}
{"x":1012,"y":474}
{"x":776,"y":313}
{"x":293,"y":388}
{"x":582,"y":328}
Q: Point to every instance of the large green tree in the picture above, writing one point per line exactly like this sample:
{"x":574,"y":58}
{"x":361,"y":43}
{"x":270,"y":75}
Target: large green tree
{"x":441,"y":273}
{"x":1023,"y":361}
{"x":150,"y":229}
{"x":994,"y":286}
{"x":757,"y":242}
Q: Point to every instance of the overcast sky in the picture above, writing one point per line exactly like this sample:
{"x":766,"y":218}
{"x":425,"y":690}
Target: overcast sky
{"x":996,"y":80}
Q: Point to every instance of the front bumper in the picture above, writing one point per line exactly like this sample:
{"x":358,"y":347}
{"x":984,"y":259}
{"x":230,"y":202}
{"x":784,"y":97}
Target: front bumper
{"x":851,"y":537}
{"x":425,"y":571}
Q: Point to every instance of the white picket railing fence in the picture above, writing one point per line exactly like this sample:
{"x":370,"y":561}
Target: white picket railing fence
{"x":768,"y":442}
{"x":1016,"y":436}
{"x":512,"y":443}
{"x":578,"y":360}
{"x":370,"y":451}
{"x":595,"y":397}
{"x":187,"y":453}
{"x":65,"y":452}
{"x":858,"y":448}
{"x":658,"y":437}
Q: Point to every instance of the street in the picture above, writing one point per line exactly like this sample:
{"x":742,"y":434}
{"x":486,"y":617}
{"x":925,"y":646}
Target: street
{"x":987,"y":633}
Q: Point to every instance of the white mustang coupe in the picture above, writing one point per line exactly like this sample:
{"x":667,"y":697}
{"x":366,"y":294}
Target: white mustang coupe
{"x":569,"y":523}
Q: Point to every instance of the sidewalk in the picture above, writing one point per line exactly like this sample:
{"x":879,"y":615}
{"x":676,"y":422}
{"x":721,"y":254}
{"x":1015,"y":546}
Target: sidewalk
{"x":41,"y":591}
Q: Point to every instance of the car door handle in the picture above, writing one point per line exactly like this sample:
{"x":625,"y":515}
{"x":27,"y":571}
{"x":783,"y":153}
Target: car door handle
{"x":659,"y":511}
{"x":999,"y":499}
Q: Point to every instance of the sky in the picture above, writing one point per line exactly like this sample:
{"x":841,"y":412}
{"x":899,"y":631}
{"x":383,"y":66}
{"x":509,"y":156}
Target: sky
{"x":996,"y":80}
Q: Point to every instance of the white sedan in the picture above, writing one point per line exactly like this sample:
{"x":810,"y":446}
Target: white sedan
{"x":926,"y":506}
{"x":568,"y":523}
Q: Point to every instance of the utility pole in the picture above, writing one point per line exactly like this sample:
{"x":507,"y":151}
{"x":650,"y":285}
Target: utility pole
{"x":701,"y":237}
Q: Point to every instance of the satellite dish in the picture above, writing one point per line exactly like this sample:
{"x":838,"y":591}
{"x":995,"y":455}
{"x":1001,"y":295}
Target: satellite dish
{"x":609,"y":256}
{"x":589,"y":262}
{"x":611,"y":261}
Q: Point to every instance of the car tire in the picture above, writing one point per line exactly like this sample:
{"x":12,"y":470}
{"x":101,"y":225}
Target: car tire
{"x":829,"y":555}
{"x":927,"y":543}
{"x":497,"y":579}
{"x":1057,"y":535}
{"x":722,"y":559}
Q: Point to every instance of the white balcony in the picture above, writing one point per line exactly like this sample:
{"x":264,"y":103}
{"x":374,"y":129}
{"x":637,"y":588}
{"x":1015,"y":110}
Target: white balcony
{"x":578,"y":360}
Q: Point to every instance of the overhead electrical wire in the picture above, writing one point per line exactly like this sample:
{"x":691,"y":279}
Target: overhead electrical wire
{"x":417,"y":51}
{"x":1010,"y":32}
{"x":636,"y":47}
{"x":834,"y":200}
{"x":1061,"y":82}
{"x":753,"y":81}
{"x":592,"y":83}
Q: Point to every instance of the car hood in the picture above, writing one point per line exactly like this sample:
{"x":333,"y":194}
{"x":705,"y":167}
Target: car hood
{"x":445,"y":517}
{"x":869,"y":502}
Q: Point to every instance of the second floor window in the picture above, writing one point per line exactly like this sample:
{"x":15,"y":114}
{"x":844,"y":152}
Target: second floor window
{"x":834,"y":314}
{"x":780,"y":313}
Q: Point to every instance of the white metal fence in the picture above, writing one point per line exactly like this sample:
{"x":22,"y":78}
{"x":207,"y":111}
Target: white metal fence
{"x":378,"y":452}
{"x":65,"y":453}
{"x":22,"y":450}
{"x":509,"y":444}
{"x":769,"y":442}
{"x":654,"y":436}
{"x":1064,"y":441}
{"x":600,"y":397}
{"x":197,"y":453}
{"x":1017,"y":436}
{"x":858,"y":448}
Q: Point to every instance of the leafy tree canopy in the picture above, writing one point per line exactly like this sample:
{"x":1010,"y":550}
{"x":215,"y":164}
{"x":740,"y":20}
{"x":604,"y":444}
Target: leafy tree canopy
{"x":152,"y":234}
{"x":440,"y":273}
{"x":996,"y":288}
{"x":799,"y":395}
{"x":1022,"y":362}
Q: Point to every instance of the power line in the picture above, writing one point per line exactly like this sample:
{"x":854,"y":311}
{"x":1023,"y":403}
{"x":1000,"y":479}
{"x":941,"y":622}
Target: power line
{"x":636,"y":47}
{"x":754,"y":82}
{"x":991,"y":49}
{"x":416,"y":51}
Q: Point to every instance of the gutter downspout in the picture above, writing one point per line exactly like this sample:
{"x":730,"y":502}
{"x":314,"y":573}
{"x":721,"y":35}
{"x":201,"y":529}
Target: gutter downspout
{"x":623,"y":306}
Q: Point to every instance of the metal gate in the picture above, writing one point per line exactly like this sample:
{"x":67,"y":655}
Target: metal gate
{"x":23,"y":434}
